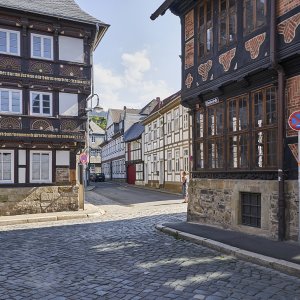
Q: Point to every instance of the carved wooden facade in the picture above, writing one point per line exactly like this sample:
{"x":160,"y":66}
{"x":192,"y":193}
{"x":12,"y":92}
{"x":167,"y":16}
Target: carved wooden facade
{"x":240,"y":78}
{"x":43,"y":91}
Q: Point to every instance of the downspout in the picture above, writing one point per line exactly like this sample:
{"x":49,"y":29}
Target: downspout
{"x":281,"y":123}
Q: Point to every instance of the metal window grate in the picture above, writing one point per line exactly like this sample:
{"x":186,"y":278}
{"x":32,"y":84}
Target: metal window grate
{"x":251,"y":209}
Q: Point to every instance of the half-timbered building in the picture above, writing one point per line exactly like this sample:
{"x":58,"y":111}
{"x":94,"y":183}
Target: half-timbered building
{"x":46,"y":51}
{"x":166,"y":141}
{"x":240,"y":79}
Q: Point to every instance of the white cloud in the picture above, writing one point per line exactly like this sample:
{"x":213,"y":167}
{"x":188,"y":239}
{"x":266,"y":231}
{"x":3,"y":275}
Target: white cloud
{"x":136,"y":64}
{"x":129,"y":86}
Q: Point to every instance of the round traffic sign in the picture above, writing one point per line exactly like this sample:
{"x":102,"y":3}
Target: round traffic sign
{"x":294,"y":120}
{"x":83,"y":158}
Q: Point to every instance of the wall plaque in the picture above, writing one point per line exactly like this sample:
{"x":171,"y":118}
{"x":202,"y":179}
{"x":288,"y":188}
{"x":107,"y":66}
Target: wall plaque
{"x":62,"y":175}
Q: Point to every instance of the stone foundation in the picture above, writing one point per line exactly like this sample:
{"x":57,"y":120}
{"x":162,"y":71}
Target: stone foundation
{"x":217,"y":202}
{"x":17,"y":201}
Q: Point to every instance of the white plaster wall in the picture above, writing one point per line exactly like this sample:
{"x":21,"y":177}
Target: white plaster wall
{"x":71,"y":49}
{"x":68,"y":104}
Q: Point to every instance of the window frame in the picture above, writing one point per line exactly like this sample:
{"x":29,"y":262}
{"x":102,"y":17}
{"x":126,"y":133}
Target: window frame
{"x":41,"y":104}
{"x":31,"y":166}
{"x":203,"y":31}
{"x":12,"y":173}
{"x":228,"y":15}
{"x":42,"y":37}
{"x":10,"y":91}
{"x":8,"y":32}
{"x":247,"y":31}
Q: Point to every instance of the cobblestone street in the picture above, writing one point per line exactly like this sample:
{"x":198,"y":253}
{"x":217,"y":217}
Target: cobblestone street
{"x":122,"y":256}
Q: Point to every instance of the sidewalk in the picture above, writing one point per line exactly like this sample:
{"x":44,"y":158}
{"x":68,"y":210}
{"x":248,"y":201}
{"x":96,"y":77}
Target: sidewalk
{"x":89,"y":211}
{"x":281,"y":256}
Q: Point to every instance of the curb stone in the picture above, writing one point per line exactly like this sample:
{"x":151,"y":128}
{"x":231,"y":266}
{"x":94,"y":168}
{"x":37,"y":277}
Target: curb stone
{"x":259,"y":259}
{"x":50,"y":218}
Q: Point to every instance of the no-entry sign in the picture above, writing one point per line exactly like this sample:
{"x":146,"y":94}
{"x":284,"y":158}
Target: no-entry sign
{"x":294,"y":120}
{"x":83,"y":158}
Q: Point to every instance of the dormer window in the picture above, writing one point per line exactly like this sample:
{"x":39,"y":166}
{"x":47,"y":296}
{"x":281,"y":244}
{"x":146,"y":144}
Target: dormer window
{"x":41,"y":46}
{"x":227,"y":23}
{"x":205,"y":28}
{"x":255,"y":12}
{"x":9,"y":42}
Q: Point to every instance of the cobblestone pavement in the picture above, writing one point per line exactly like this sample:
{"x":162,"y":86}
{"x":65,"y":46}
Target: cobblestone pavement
{"x":122,"y":256}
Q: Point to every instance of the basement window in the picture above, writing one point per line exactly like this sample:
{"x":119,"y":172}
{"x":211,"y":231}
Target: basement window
{"x":251,"y":209}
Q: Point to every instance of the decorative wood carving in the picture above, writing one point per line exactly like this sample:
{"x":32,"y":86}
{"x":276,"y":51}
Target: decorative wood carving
{"x":71,"y":71}
{"x":10,"y":63}
{"x":226,"y":58}
{"x":41,"y":125}
{"x":288,"y":28}
{"x":69,"y":125}
{"x":189,"y":54}
{"x":189,"y":25}
{"x":40,"y":67}
{"x":253,"y":45}
{"x":189,"y":80}
{"x":10,"y":123}
{"x":41,"y":26}
{"x":204,"y":69}
{"x":10,"y":20}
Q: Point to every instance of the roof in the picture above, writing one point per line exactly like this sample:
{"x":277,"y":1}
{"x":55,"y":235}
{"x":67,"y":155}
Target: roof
{"x":162,"y":9}
{"x":134,"y":132}
{"x":115,"y":115}
{"x":66,"y":9}
{"x":95,"y":128}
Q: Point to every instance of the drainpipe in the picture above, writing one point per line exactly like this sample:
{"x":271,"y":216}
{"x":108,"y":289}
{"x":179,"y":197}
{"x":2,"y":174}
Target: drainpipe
{"x":163,"y":146}
{"x":281,"y":123}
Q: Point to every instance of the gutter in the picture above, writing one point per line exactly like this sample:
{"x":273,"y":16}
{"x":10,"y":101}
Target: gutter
{"x":281,"y":128}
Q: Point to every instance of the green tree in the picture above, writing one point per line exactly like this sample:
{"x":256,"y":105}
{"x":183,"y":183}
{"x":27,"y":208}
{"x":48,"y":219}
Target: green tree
{"x":100,"y":121}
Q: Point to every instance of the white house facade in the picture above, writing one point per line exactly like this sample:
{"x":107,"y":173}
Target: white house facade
{"x":167,"y":148}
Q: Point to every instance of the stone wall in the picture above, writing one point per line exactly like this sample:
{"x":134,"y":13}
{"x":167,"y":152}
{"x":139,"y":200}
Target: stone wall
{"x":217,"y":202}
{"x":30,"y":200}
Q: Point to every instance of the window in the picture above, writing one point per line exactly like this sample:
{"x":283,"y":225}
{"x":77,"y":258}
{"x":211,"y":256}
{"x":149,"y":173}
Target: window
{"x":254,"y":14}
{"x":205,"y":28}
{"x":41,"y":166}
{"x":176,"y":120}
{"x":93,"y":139}
{"x":9,"y":42}
{"x":155,"y":130}
{"x":227,"y":22}
{"x":250,"y":136}
{"x":199,"y":141}
{"x":251,"y":209}
{"x":177,"y":161}
{"x":215,"y":117}
{"x":265,"y":122}
{"x":169,"y":123}
{"x":186,"y":160}
{"x":41,"y":103}
{"x":185,"y":118}
{"x":238,"y":126}
{"x":10,"y":101}
{"x":169,"y":162}
{"x":161,"y":127}
{"x":41,"y":46}
{"x":6,"y":166}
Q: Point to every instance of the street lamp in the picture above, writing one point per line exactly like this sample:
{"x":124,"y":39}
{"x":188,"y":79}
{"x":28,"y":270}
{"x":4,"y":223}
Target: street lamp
{"x":97,"y":108}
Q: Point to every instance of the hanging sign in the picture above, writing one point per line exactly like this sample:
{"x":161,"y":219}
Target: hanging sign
{"x":212,"y":101}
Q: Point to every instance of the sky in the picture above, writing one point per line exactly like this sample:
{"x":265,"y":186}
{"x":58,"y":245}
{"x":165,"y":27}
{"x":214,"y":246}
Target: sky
{"x":138,"y":59}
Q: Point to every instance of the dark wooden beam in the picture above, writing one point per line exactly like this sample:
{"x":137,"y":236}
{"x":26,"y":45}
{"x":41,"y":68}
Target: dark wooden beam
{"x":162,"y":9}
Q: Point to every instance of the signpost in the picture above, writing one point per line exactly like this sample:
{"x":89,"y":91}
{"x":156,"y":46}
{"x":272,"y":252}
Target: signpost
{"x":294,"y":123}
